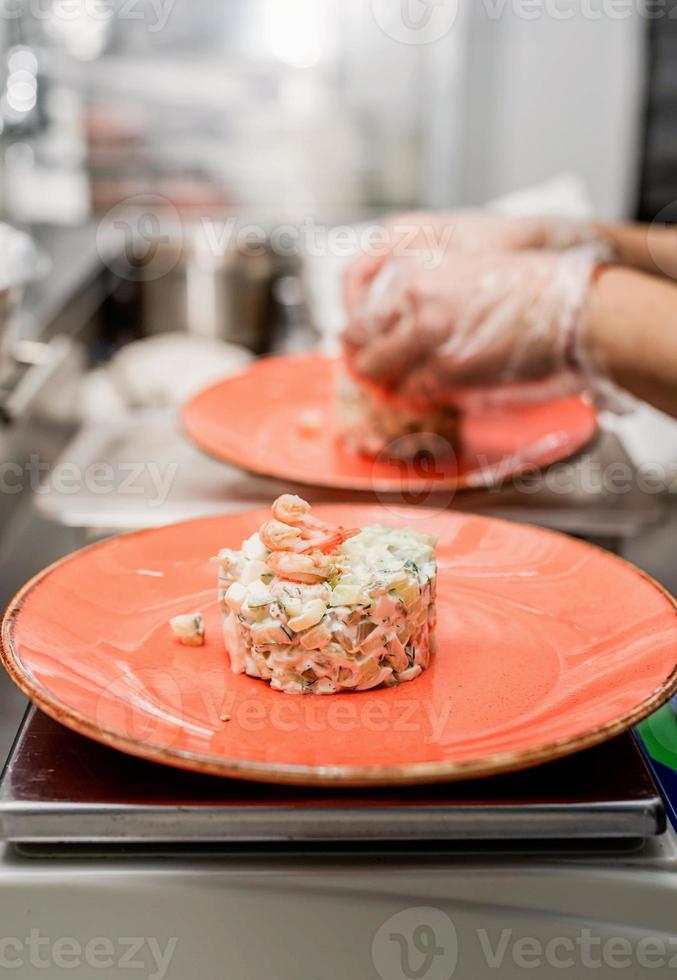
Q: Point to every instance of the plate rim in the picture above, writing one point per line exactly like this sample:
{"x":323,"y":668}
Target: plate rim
{"x":403,"y":774}
{"x":464,"y":483}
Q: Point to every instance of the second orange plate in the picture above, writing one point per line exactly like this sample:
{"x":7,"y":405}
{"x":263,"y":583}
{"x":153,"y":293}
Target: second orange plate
{"x":255,"y":420}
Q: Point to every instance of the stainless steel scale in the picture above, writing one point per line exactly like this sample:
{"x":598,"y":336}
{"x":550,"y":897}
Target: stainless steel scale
{"x":569,"y":863}
{"x":64,"y":790}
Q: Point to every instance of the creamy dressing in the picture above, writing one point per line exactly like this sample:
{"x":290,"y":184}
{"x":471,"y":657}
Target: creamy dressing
{"x":369,"y":622}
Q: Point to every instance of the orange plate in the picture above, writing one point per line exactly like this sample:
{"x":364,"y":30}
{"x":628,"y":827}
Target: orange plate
{"x":545,"y":646}
{"x":255,"y":421}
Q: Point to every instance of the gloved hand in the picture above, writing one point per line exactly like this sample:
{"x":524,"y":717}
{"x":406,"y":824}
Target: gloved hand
{"x":476,"y":319}
{"x":429,"y":236}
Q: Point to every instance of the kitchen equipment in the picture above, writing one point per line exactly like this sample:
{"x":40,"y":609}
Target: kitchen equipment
{"x":158,"y":372}
{"x":175,"y":481}
{"x":61,"y":787}
{"x":190,"y":872}
{"x":19,"y":262}
{"x":534,"y":658}
{"x":665,"y":777}
{"x":276,"y":399}
{"x":203,"y":287}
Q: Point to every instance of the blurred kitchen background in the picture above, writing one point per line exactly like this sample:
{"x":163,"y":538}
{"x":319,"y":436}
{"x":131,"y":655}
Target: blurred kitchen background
{"x":286,"y":106}
{"x":275,"y":111}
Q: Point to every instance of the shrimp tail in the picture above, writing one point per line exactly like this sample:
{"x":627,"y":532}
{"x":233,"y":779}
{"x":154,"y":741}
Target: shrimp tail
{"x":325,"y":542}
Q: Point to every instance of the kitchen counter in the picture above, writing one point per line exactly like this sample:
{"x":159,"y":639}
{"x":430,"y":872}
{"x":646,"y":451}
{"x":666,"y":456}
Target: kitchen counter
{"x":72,"y":263}
{"x":56,"y":307}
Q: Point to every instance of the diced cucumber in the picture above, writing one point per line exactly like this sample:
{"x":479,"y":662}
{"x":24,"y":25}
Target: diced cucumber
{"x":409,"y":592}
{"x":258,"y":595}
{"x":254,"y":548}
{"x":189,"y":630}
{"x":291,"y":601}
{"x":348,"y":595}
{"x":397,"y":578}
{"x":382,"y":676}
{"x":373,"y":645}
{"x":235,"y":596}
{"x":270,"y":631}
{"x":386,"y":607}
{"x":253,"y":571}
{"x":316,"y":638}
{"x":253,"y":614}
{"x":397,"y":657}
{"x":310,"y":615}
{"x":368,"y":671}
{"x":404,"y":632}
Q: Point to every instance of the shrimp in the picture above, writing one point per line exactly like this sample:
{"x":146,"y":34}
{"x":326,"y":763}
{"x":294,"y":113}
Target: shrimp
{"x":327,"y":541}
{"x":280,"y":537}
{"x":293,"y":510}
{"x":312,"y":533}
{"x":308,"y":569}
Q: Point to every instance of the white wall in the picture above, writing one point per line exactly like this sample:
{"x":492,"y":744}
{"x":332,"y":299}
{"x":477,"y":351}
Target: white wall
{"x":547,"y":96}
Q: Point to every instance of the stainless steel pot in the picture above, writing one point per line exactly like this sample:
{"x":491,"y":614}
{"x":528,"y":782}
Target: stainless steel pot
{"x":226,"y":295}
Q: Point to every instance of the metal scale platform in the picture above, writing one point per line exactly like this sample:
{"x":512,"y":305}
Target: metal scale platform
{"x":215,"y":878}
{"x":59,"y":787}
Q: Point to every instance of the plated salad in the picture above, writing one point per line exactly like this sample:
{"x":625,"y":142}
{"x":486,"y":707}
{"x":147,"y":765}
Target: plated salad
{"x":313,"y":608}
{"x":374,"y":425}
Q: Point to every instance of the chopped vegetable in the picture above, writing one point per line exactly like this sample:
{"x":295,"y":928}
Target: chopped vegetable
{"x":189,"y":630}
{"x":235,"y":595}
{"x":310,"y":615}
{"x":259,"y":595}
{"x":348,"y":610}
{"x":311,"y":422}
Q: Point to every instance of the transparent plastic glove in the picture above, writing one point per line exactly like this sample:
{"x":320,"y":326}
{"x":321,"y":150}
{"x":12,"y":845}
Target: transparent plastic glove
{"x":429,"y":236}
{"x":477,"y":319}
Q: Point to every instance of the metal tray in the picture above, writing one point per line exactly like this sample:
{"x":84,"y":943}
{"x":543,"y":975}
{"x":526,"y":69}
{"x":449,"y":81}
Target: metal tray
{"x":62,"y":788}
{"x":157,"y":476}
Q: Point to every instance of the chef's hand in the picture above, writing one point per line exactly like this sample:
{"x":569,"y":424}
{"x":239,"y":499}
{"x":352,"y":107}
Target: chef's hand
{"x":429,"y":235}
{"x":475,"y":319}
